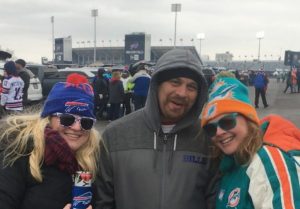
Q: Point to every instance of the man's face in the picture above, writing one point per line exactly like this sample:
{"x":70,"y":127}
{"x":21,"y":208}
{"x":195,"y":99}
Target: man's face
{"x":176,"y":97}
{"x":18,"y":66}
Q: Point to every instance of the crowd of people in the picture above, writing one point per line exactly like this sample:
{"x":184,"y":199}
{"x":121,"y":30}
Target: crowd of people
{"x":187,"y":146}
{"x":124,"y":92}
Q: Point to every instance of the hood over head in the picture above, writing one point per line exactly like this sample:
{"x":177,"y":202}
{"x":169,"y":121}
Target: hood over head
{"x":170,"y":65}
{"x":281,"y":133}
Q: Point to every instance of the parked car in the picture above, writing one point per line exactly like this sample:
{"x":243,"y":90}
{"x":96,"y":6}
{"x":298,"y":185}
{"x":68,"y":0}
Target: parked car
{"x":62,"y":74}
{"x":41,"y":71}
{"x":35,"y":87}
{"x":209,"y":75}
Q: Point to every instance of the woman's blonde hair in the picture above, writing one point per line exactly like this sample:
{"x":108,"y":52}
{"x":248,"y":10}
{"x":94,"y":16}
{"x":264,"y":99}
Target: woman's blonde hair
{"x":248,"y":147}
{"x":23,"y":135}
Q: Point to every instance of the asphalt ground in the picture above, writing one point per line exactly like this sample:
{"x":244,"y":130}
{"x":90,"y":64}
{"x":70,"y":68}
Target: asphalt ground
{"x":284,"y":104}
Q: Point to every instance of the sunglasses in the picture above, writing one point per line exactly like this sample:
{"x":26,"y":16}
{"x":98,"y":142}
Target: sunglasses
{"x":226,"y":123}
{"x":68,"y":120}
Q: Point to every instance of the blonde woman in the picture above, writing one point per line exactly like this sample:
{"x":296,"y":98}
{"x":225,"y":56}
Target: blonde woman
{"x":41,"y":152}
{"x":259,"y":167}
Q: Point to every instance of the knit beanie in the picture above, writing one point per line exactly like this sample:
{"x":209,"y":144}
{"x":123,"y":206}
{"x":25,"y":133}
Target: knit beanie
{"x":71,"y":97}
{"x":10,"y":68}
{"x":20,"y":62}
{"x":228,"y":95}
{"x":176,"y":73}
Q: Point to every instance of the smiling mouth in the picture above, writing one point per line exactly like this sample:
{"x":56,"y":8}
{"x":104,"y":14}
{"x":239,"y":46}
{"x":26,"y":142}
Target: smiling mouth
{"x":73,"y":135}
{"x":226,"y":140}
{"x":178,"y":104}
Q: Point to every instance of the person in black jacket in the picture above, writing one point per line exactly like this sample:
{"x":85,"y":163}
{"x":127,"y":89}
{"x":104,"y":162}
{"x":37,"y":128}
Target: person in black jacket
{"x":39,"y":153}
{"x":100,"y":86}
{"x":116,"y":95}
{"x":20,"y":65}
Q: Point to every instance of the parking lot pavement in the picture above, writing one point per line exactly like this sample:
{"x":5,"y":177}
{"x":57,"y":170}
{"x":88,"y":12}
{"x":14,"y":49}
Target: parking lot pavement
{"x":286,"y":105}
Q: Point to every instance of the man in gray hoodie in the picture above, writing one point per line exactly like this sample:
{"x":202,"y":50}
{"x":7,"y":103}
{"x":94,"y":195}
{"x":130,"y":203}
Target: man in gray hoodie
{"x":158,"y":157}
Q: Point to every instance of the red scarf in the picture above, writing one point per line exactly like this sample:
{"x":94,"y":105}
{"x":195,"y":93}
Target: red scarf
{"x":58,"y":153}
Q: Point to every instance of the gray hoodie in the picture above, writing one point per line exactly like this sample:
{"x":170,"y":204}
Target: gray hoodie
{"x":143,"y":168}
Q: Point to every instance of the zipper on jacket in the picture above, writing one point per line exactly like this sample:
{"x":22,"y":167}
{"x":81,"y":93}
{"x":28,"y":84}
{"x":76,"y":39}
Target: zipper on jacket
{"x":165,"y":138}
{"x":164,"y":171}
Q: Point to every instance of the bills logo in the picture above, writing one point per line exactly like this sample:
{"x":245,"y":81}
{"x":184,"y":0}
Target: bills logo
{"x":76,"y":106}
{"x":234,"y":198}
{"x":83,"y":199}
{"x":81,"y":104}
{"x":134,"y":46}
{"x":195,"y":159}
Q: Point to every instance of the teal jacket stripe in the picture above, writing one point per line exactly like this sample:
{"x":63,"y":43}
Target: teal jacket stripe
{"x":291,"y":166}
{"x":272,"y":176}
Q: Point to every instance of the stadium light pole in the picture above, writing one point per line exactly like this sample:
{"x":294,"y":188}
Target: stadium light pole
{"x":175,"y":8}
{"x":259,"y":35}
{"x":200,"y":37}
{"x":94,"y":15}
{"x":53,"y":54}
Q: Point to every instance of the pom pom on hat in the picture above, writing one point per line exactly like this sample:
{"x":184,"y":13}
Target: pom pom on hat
{"x":228,"y":95}
{"x":74,"y":96}
{"x":76,"y":78}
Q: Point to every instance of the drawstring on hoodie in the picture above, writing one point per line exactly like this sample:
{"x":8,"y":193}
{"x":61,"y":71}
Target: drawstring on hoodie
{"x":175,"y":143}
{"x":155,"y":150}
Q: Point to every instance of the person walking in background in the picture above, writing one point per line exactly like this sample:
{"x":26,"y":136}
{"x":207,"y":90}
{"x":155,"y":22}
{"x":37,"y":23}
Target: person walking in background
{"x":294,"y":80}
{"x":259,"y":159}
{"x":298,"y":79}
{"x":158,"y":157}
{"x":21,"y":70}
{"x":284,"y":74}
{"x":116,"y":95}
{"x":128,"y":89}
{"x":12,"y":89}
{"x":141,"y":80}
{"x":237,"y":74}
{"x":288,"y":82}
{"x":39,"y":153}
{"x":100,"y":86}
{"x":260,"y":85}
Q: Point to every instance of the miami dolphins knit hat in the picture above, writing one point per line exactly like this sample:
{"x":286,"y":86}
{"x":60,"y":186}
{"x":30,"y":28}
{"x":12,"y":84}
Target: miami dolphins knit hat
{"x":228,"y":95}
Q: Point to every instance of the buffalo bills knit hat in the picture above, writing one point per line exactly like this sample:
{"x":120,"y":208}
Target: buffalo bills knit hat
{"x":10,"y":68}
{"x":228,"y":95}
{"x":74,"y":96}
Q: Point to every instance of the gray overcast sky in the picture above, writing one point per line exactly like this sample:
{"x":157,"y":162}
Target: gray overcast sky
{"x":229,"y":25}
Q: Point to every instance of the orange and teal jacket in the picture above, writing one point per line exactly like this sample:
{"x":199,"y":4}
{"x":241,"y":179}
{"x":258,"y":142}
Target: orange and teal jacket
{"x":271,"y":180}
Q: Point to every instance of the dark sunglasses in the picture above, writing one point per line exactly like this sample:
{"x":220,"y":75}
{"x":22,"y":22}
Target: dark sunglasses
{"x":68,"y":120}
{"x":226,"y":123}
